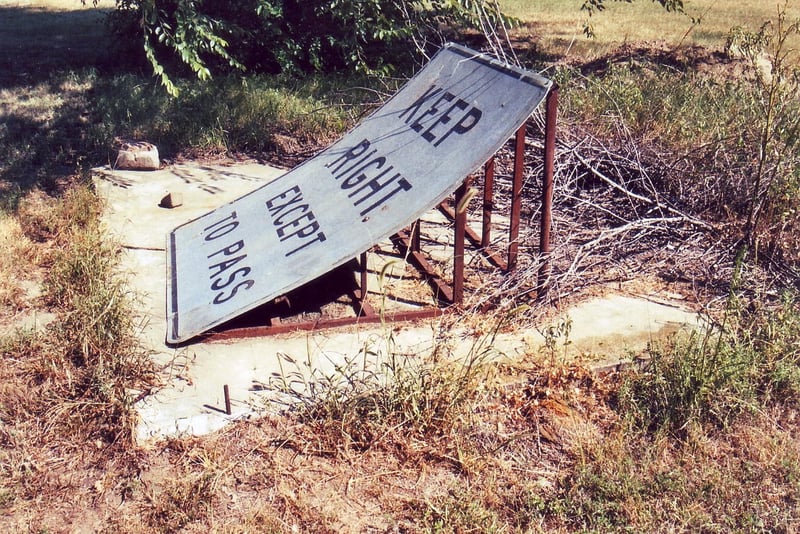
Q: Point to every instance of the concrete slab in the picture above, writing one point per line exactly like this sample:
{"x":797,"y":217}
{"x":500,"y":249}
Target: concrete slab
{"x":620,"y":325}
{"x":190,"y":399}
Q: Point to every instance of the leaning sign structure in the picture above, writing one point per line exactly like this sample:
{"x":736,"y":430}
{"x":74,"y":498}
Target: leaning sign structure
{"x":384,"y":174}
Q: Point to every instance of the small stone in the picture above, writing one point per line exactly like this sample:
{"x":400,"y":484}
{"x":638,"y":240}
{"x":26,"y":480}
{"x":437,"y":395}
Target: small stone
{"x":171,"y":200}
{"x":137,"y":156}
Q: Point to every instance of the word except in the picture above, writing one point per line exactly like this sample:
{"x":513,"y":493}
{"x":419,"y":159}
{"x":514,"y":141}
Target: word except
{"x":366,"y":177}
{"x":293,"y":218}
{"x":226,"y":279}
{"x":445,"y":108}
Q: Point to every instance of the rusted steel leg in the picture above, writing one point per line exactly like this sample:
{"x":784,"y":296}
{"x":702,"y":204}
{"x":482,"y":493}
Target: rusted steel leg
{"x":473,"y":237}
{"x":363,"y":307}
{"x":243,"y":333}
{"x":362,"y":296}
{"x":516,"y":197}
{"x":551,"y":113}
{"x":227,"y":394}
{"x":460,"y":237}
{"x":416,"y":231}
{"x":488,"y":202}
{"x":442,"y":291}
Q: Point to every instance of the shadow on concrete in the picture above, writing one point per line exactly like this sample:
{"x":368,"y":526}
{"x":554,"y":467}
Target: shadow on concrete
{"x":311,"y":302}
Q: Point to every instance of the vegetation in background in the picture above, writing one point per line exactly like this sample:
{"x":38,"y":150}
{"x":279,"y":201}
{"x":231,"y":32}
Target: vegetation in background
{"x":273,"y":36}
{"x":77,"y":119}
{"x":592,"y":6}
{"x":556,"y":28}
{"x":704,"y":438}
{"x":734,"y":138}
{"x":775,"y":182}
{"x":232,"y":116}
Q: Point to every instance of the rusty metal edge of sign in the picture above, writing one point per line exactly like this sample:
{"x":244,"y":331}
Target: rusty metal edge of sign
{"x":174,"y":336}
{"x":490,"y":61}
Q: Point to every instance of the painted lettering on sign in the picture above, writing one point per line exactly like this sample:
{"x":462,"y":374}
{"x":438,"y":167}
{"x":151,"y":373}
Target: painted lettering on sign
{"x":366,"y":177}
{"x":227,"y":264}
{"x":438,"y":114}
{"x":294,"y":219}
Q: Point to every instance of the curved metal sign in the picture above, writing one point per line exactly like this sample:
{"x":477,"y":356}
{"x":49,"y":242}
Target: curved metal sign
{"x":384,"y":174}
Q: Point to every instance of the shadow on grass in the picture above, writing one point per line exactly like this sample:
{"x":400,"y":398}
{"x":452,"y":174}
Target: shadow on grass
{"x":48,"y":59}
{"x":35,"y":42}
{"x":43,"y":136}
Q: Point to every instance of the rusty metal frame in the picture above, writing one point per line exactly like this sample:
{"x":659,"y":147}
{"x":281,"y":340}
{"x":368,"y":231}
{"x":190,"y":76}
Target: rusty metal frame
{"x":483,"y":240}
{"x":407,"y":242}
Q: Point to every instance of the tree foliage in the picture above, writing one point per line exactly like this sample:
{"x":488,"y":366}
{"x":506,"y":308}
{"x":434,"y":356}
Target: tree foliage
{"x":376,"y":36}
{"x":295,"y":36}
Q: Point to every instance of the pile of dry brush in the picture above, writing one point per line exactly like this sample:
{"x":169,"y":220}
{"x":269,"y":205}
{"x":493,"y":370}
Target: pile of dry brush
{"x":623,"y":209}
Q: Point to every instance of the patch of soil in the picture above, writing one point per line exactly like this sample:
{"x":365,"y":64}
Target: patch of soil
{"x":701,"y":60}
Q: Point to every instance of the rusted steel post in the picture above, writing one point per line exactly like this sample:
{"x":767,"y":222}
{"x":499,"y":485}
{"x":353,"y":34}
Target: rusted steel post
{"x":516,"y":197}
{"x":460,"y":237}
{"x":551,"y":113}
{"x":416,"y":231}
{"x":227,"y":394}
{"x":488,"y":202}
{"x":362,"y":296}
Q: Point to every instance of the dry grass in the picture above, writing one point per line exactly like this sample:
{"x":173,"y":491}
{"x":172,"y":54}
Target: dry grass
{"x":17,"y":253}
{"x":65,"y":412}
{"x":540,"y":446}
{"x":558,"y":26}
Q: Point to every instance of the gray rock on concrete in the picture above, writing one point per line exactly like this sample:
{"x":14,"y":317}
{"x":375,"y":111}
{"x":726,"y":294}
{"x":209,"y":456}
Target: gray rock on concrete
{"x":137,"y":156}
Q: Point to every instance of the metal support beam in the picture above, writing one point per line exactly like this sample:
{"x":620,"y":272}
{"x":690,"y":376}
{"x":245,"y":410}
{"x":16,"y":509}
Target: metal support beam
{"x":283,"y":328}
{"x":443,"y":292}
{"x":416,"y":233}
{"x":493,"y":257}
{"x":461,"y":202}
{"x":551,"y":113}
{"x":363,"y":307}
{"x":516,"y":197}
{"x":488,"y":202}
{"x":408,"y":242}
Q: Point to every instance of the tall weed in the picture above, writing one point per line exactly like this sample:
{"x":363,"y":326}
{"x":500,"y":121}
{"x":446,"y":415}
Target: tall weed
{"x":85,"y":362}
{"x":381,"y":394}
{"x":746,"y":364}
{"x":727,"y":134}
{"x":775,"y":181}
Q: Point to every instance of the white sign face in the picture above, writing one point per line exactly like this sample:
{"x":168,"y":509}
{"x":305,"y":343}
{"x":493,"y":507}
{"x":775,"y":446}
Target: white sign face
{"x":379,"y":178}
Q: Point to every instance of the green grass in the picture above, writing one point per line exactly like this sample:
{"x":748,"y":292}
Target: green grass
{"x":749,"y":361}
{"x":69,"y":99}
{"x":228,"y":115}
{"x":76,"y":119}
